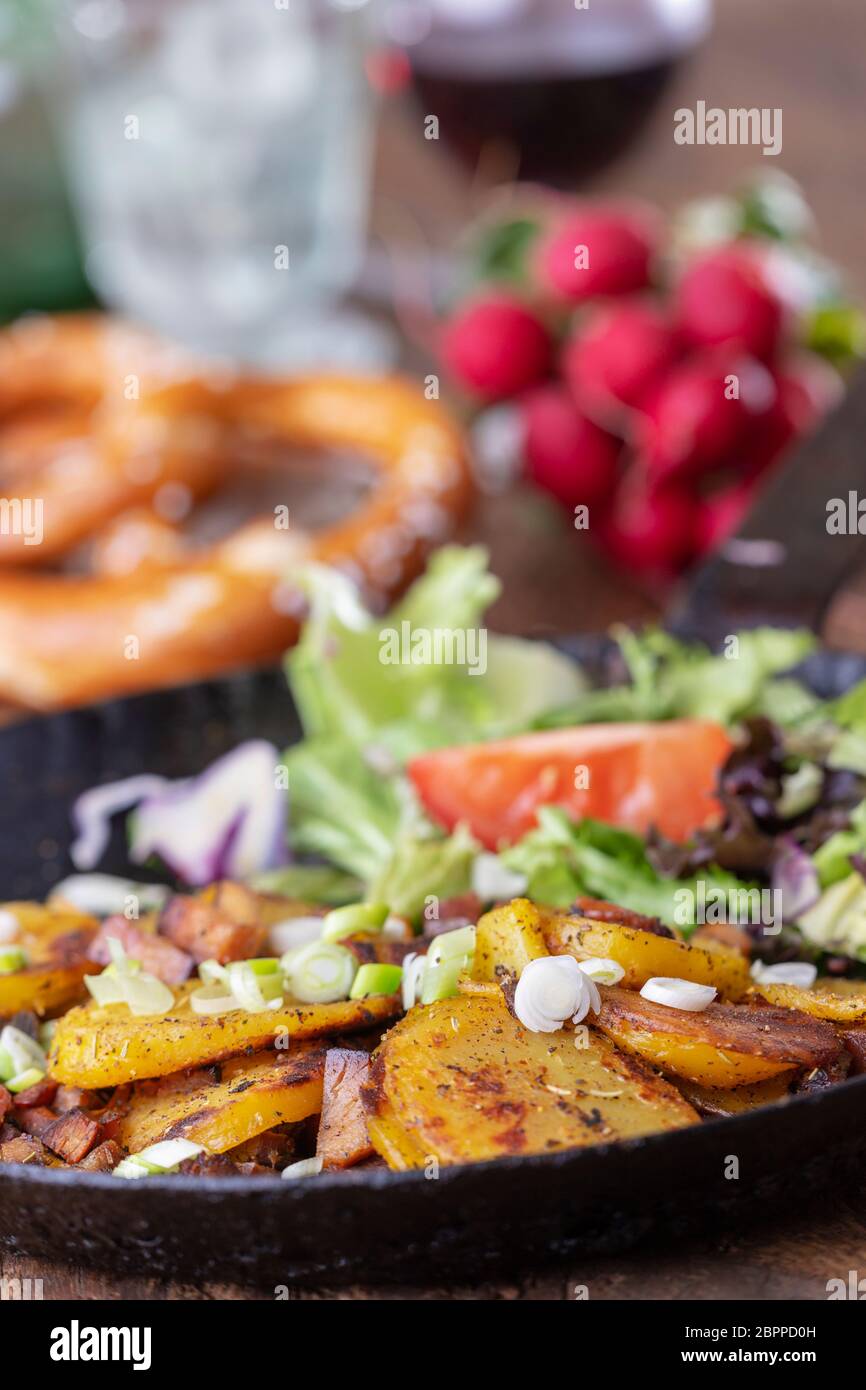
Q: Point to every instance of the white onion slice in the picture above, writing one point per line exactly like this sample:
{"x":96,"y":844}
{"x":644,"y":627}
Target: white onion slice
{"x":9,"y":927}
{"x":678,"y":994}
{"x":213,"y":1000}
{"x":169,"y":1153}
{"x":491,"y":880}
{"x":294,"y":932}
{"x":602,"y":970}
{"x":103,"y":895}
{"x":793,"y":972}
{"x":551,"y":990}
{"x":304,"y":1168}
{"x":414,"y":966}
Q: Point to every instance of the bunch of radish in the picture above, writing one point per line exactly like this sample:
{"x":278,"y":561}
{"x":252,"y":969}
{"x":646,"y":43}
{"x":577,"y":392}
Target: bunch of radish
{"x":655,"y":387}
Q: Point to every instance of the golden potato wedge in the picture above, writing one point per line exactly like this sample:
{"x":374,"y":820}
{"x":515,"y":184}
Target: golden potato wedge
{"x":56,"y":942}
{"x":251,"y":1095}
{"x":462,"y":1080}
{"x":96,"y":1046}
{"x":710,"y":1101}
{"x":724,"y":1046}
{"x":826,"y":1000}
{"x":643,"y":955}
{"x":507,"y":938}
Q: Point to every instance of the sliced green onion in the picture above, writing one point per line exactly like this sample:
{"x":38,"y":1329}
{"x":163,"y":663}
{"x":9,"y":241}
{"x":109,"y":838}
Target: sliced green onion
{"x":321,"y":973}
{"x":46,"y":1033}
{"x":450,"y":954}
{"x":22,"y":1051}
{"x":124,"y":982}
{"x":210,"y":972}
{"x":7,"y":1067}
{"x":169,"y":1153}
{"x":376,"y":979}
{"x":164,"y":1157}
{"x":105,"y":988}
{"x":304,"y":1168}
{"x":440,"y":981}
{"x":449,"y":945}
{"x":213,"y":1000}
{"x":128,"y":966}
{"x":131,"y":1168}
{"x":357,"y":917}
{"x":13,"y":959}
{"x":255,"y":989}
{"x":147,"y":996}
{"x":24,"y":1079}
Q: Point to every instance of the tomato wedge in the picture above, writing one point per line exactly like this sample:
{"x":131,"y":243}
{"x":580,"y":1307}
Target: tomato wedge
{"x":632,"y":775}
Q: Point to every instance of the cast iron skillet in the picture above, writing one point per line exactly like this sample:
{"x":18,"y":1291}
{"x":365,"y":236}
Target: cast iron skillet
{"x":488,"y":1218}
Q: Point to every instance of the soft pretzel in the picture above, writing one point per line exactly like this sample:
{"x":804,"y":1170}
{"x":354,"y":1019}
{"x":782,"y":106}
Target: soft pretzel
{"x":67,"y":639}
{"x":68,"y":392}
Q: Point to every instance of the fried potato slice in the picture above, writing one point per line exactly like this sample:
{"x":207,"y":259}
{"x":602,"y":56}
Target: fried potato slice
{"x":826,"y":1000}
{"x":723,"y":1046}
{"x":643,"y":954}
{"x":507,"y":938}
{"x":250,"y":1095}
{"x":461,"y":1080}
{"x":96,"y":1046}
{"x":56,"y":941}
{"x":711,"y":1101}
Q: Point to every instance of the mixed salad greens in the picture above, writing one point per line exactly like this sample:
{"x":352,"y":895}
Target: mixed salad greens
{"x":791,"y":793}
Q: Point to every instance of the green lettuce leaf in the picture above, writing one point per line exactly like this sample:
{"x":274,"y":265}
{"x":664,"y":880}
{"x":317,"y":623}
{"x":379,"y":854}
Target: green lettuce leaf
{"x":420,"y":869}
{"x":312,"y":883}
{"x":347,"y":683}
{"x":671,"y":679}
{"x":563,"y":859}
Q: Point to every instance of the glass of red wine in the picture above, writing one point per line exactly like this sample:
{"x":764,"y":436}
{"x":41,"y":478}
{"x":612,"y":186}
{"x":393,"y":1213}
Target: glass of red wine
{"x":565,"y":84}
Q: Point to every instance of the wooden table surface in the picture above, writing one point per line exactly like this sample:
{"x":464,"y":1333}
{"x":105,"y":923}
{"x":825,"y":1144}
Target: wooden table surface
{"x":806,"y":58}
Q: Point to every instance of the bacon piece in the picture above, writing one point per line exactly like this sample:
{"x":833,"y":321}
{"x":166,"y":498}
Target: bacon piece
{"x":23,"y":1149}
{"x":35,"y":1120}
{"x":74,"y":1098}
{"x":103,"y":1159}
{"x":217,"y":928}
{"x":343,"y":1139}
{"x":158,"y":956}
{"x":854,"y":1041}
{"x":462,"y":910}
{"x":726,"y":934}
{"x":42,"y":1093}
{"x":600,"y":911}
{"x":72,"y":1136}
{"x":6,"y":1103}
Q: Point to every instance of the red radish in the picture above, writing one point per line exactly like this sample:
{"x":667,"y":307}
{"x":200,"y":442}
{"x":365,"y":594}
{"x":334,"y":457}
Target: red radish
{"x":720,"y":515}
{"x":700,"y":414}
{"x":723,"y":299}
{"x":651,"y":532}
{"x":496,"y":346}
{"x":806,"y":388}
{"x":619,"y":357}
{"x":567,"y":454}
{"x":598,"y":249}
